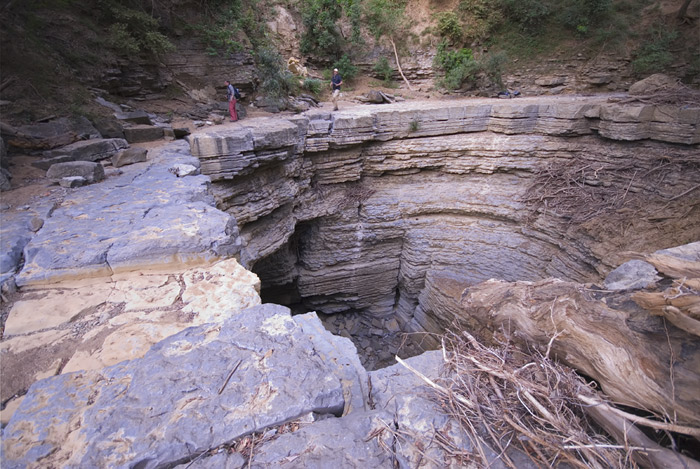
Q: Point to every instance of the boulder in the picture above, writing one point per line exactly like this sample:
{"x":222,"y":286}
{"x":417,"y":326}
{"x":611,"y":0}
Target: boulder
{"x":5,"y":177}
{"x":90,"y":171}
{"x":375,"y":97}
{"x":192,"y":392}
{"x":134,"y":117}
{"x":632,"y":275}
{"x":181,"y":132}
{"x":53,"y":134}
{"x":143,"y":133}
{"x":129,"y":156}
{"x":86,"y":150}
{"x":182,"y":170}
{"x":72,"y":182}
{"x":109,"y":128}
{"x":653,"y":84}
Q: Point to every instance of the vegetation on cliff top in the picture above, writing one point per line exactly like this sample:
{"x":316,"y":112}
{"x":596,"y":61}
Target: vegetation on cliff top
{"x":50,"y":42}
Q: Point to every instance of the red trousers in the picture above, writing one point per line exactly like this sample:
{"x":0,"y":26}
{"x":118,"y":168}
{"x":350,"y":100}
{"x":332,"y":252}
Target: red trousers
{"x":232,"y":109}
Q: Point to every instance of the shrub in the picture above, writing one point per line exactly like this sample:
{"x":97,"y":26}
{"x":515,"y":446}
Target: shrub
{"x":321,"y":36}
{"x":275,"y":80}
{"x":346,"y":68}
{"x":492,"y":64}
{"x":458,"y":65}
{"x":479,"y":17}
{"x":655,"y":54}
{"x":530,"y":15}
{"x":580,"y":15}
{"x":383,"y":69}
{"x":449,"y":27}
{"x":312,"y":85}
{"x":385,"y":17}
{"x":133,"y":31}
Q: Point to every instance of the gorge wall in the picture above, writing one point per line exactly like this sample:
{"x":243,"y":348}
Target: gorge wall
{"x":393,"y":210}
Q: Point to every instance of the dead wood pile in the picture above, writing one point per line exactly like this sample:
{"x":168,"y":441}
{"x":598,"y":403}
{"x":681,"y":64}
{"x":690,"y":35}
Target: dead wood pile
{"x":582,"y":189}
{"x":680,"y":302}
{"x":642,"y":350}
{"x":505,"y":399}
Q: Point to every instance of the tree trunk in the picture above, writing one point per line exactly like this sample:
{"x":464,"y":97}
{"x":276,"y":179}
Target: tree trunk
{"x":638,"y":359}
{"x":398,"y":64}
{"x":683,"y":12}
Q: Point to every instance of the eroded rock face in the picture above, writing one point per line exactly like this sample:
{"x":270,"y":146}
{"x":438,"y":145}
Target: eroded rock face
{"x":139,"y":218}
{"x":155,"y":403}
{"x":373,"y":209}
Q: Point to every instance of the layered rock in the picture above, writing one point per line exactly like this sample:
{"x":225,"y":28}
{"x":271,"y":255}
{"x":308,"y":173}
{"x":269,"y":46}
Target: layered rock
{"x":142,"y":217}
{"x":193,"y":395}
{"x":369,"y":208}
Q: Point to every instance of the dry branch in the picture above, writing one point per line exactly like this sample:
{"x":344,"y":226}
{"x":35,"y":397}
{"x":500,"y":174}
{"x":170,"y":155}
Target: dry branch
{"x":631,"y":356}
{"x":511,"y":401}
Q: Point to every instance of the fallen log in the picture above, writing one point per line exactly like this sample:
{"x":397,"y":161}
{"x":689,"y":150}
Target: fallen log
{"x":638,"y":359}
{"x":647,"y":453}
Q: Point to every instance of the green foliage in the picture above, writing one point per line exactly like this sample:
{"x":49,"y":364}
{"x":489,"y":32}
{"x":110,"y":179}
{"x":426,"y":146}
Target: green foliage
{"x":529,"y":15}
{"x":227,"y":21}
{"x":353,"y":10}
{"x":414,"y":125}
{"x":655,"y":53}
{"x":220,"y":34}
{"x":580,"y":15}
{"x":385,"y":17}
{"x":275,"y":80}
{"x":383,"y":69}
{"x":346,"y":68}
{"x":479,"y":18}
{"x":449,"y":26}
{"x":458,"y":66}
{"x":312,"y":85}
{"x":133,"y":31}
{"x":321,"y":35}
{"x":493,"y":64}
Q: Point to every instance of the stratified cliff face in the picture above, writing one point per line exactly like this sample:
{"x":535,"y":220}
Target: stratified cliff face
{"x":395,"y":209}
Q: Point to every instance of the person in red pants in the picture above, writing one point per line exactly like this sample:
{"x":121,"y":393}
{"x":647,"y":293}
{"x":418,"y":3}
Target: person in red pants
{"x":231,"y":95}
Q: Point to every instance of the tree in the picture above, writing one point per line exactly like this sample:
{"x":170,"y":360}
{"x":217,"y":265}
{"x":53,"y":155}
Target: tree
{"x":387,"y":18}
{"x":683,"y":12}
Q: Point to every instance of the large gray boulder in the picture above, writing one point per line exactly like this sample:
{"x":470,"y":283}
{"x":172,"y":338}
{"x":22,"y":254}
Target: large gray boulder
{"x":5,"y":176}
{"x":654,"y":84}
{"x":85,"y":150}
{"x":134,"y":117}
{"x":192,"y":392}
{"x":91,"y":172}
{"x":52,"y":134}
{"x":16,"y":230}
{"x":143,"y":133}
{"x":143,"y":216}
{"x":129,"y":156}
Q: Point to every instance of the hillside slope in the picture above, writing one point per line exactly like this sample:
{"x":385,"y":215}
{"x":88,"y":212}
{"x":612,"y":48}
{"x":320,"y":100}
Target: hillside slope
{"x":56,"y":56}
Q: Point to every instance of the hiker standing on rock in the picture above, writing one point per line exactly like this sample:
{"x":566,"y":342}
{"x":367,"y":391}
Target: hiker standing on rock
{"x":231,"y":95}
{"x":336,"y":81}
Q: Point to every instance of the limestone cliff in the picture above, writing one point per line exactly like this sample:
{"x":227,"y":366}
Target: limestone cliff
{"x":374,"y":208}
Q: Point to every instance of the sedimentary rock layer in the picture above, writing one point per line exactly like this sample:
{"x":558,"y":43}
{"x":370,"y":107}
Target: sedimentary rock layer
{"x":368,"y":208}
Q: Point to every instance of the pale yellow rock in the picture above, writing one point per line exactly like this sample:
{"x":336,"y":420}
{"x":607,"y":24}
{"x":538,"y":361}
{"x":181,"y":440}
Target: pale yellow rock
{"x":52,"y":370}
{"x":140,"y":316}
{"x":215,"y":293}
{"x":21,"y":344}
{"x":143,"y":291}
{"x":126,"y":343}
{"x":55,"y":308}
{"x":10,"y":408}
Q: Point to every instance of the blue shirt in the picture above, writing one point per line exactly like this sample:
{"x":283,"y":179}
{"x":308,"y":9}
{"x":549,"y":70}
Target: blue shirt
{"x":336,"y":80}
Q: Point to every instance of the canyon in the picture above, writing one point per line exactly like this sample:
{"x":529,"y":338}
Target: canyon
{"x":380,"y":215}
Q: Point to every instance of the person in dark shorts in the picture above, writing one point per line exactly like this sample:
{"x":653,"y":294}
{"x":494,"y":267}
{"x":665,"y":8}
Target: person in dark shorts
{"x":336,"y":81}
